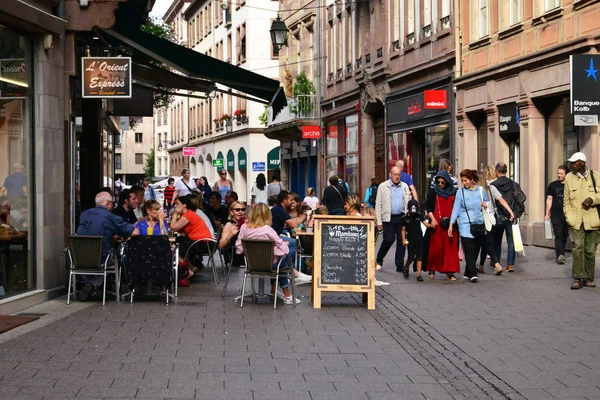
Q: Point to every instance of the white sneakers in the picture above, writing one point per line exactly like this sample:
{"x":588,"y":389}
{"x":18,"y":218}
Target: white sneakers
{"x":286,"y":299}
{"x":381,"y":283}
{"x":303,"y":278}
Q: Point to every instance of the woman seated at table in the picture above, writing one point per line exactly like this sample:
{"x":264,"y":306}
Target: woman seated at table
{"x":237,"y":218}
{"x":184,"y":219}
{"x":258,"y":227}
{"x":154,"y":222}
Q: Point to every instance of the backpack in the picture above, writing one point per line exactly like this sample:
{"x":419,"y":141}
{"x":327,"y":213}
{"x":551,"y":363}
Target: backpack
{"x":518,"y":200}
{"x":373,"y":195}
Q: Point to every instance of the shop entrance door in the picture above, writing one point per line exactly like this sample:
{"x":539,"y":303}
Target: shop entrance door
{"x":514,"y":161}
{"x":380,"y":167}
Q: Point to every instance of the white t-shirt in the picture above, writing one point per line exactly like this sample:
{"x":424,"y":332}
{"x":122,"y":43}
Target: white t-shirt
{"x":182,"y":189}
{"x":313,"y":201}
{"x":261,"y":196}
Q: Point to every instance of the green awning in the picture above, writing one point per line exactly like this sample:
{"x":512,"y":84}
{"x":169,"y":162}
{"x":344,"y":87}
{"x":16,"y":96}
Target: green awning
{"x":273,"y":160}
{"x":198,"y":65}
{"x":242,"y":159}
{"x":230,"y":161}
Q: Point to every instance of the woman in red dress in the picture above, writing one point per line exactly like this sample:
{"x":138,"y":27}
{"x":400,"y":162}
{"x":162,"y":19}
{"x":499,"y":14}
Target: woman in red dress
{"x":443,"y":250}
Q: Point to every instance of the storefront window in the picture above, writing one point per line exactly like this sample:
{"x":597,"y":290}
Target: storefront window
{"x":352,"y":133}
{"x":342,"y":155}
{"x":400,"y":148}
{"x":437,"y":148}
{"x":352,"y":172}
{"x":332,"y":138}
{"x":16,"y":272}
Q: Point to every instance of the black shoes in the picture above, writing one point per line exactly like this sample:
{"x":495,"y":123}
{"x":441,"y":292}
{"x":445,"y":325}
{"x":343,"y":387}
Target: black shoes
{"x":85,"y":293}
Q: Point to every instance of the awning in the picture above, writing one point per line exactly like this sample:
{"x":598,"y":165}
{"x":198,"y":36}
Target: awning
{"x":220,"y":157}
{"x":242,"y":159}
{"x":273,"y":160}
{"x":198,"y":65}
{"x":230,"y":161}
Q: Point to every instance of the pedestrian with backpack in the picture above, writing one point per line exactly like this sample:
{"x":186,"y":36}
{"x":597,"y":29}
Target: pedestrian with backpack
{"x":371,"y":195}
{"x":515,"y":198}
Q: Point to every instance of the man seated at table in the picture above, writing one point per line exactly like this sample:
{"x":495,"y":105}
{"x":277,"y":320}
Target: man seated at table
{"x":218,"y":211}
{"x":281,"y":220}
{"x":139,"y":194}
{"x":128,"y":202}
{"x":99,"y":221}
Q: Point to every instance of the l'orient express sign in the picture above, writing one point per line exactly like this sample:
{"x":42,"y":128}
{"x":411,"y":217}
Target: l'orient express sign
{"x":106,"y":77}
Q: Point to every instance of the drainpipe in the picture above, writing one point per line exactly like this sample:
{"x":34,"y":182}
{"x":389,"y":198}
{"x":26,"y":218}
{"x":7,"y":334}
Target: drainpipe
{"x":319,"y":94}
{"x":457,"y":39}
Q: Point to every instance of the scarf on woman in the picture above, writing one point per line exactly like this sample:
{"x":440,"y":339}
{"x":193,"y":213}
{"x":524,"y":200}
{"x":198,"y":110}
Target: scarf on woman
{"x":449,"y":189}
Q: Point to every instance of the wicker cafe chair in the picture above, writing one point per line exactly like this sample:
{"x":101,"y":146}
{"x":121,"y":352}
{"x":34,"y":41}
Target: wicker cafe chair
{"x":85,"y":256}
{"x":259,"y":256}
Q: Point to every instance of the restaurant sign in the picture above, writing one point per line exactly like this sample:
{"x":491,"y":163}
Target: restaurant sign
{"x":13,"y":77}
{"x":106,"y":77}
{"x":311,"y":132}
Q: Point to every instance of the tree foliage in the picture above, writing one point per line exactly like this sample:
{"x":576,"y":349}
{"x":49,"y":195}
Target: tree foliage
{"x":149,"y":167}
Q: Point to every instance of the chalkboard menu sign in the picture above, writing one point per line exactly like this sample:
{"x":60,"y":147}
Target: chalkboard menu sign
{"x":344,"y":254}
{"x":344,"y":259}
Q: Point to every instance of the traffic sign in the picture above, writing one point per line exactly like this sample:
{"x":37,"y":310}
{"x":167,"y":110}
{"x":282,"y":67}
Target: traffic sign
{"x":259,"y":166}
{"x":218,"y":162}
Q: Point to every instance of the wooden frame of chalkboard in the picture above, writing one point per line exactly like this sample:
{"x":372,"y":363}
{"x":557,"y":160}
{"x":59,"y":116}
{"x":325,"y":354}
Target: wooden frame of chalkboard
{"x":344,"y":257}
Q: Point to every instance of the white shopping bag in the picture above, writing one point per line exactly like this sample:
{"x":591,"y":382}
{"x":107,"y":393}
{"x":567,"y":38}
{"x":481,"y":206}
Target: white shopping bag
{"x":517,"y":240}
{"x":548,"y":230}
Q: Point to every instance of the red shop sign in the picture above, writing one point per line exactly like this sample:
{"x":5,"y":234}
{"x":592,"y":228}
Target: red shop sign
{"x":332,"y":132}
{"x":311,"y":132}
{"x":435,"y":99}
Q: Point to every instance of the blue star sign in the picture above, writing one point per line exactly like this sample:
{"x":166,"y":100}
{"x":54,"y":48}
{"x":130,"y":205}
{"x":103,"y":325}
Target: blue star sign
{"x":591,"y":71}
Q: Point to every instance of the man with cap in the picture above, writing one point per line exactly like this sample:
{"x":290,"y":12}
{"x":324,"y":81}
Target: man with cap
{"x":581,"y":199}
{"x":184,"y":186}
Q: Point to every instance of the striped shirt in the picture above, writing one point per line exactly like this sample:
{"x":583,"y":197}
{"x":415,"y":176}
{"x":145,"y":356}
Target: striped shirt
{"x":169,"y":192}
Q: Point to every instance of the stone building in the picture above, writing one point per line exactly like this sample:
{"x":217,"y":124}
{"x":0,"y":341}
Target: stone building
{"x":512,"y":98}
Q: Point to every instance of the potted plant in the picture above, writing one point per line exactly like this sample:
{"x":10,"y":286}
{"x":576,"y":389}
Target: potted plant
{"x":225,"y":117}
{"x":240,"y":116}
{"x":217,"y":122}
{"x":303,"y":92}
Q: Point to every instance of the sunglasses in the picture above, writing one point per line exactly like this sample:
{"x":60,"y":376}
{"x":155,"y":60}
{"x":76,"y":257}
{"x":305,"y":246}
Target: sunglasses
{"x":239,"y":209}
{"x":441,"y":182}
{"x":224,"y":173}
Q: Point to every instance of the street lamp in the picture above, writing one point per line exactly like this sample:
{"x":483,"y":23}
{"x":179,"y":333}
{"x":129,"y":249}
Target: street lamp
{"x":278,"y":33}
{"x":229,"y":125}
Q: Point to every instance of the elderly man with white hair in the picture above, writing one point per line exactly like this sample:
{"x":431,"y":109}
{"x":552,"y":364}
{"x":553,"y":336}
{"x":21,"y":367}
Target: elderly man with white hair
{"x":100,"y":221}
{"x":15,"y":185}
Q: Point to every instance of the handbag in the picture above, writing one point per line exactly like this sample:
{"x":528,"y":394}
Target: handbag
{"x":477,"y":230}
{"x":488,"y":219}
{"x":444,"y":221}
{"x":595,"y":191}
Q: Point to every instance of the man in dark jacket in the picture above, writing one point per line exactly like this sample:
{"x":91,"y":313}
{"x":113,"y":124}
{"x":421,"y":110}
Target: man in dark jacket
{"x":505,"y":187}
{"x":334,"y":196}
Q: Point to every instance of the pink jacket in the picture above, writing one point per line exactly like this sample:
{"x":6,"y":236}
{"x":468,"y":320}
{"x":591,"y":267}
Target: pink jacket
{"x":263,"y":233}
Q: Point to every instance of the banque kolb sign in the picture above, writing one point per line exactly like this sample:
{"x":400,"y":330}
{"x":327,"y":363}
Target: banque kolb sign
{"x":585,"y":84}
{"x":106,"y":77}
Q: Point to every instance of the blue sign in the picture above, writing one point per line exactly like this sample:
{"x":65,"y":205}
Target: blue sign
{"x":259,"y":166}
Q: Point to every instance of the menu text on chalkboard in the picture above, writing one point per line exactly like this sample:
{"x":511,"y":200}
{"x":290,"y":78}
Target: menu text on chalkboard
{"x":344,"y":254}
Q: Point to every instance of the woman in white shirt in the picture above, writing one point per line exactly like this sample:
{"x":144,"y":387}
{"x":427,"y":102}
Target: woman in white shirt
{"x":310,"y":199}
{"x":259,"y":191}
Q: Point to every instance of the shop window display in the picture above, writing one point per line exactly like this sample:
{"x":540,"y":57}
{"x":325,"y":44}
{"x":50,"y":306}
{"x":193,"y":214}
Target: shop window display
{"x":16,"y":273}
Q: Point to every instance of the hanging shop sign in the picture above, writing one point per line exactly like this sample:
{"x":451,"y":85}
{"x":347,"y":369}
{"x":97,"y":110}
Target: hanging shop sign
{"x":189,"y":152}
{"x":585,"y":84}
{"x":508,"y":118}
{"x":106,"y":77}
{"x":435,"y":99}
{"x":311,"y":132}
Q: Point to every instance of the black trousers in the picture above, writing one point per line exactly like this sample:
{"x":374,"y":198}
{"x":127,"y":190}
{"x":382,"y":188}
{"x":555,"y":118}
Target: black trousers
{"x":471,"y":248}
{"x":488,"y":249}
{"x":392,"y":231}
{"x":561,"y":233}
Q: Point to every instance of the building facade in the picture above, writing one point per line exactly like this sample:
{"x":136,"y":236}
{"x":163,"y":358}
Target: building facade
{"x":32,"y":158}
{"x":513,"y":93}
{"x":162,"y":166}
{"x":178,"y":116}
{"x":131,"y":151}
{"x":225,"y":125}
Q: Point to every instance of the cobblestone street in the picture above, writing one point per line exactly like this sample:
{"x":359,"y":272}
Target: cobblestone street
{"x":523,"y":335}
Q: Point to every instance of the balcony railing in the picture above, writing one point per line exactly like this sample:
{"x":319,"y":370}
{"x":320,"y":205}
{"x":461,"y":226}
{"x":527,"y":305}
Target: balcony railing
{"x":298,"y":108}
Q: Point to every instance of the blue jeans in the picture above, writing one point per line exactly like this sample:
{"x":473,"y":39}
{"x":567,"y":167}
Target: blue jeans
{"x":291,"y":245}
{"x":498,"y":234}
{"x":283,"y":281}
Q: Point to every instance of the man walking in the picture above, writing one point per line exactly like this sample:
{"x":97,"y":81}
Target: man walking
{"x":581,"y":199}
{"x":505,"y":187}
{"x":390,"y":206}
{"x":555,"y":214}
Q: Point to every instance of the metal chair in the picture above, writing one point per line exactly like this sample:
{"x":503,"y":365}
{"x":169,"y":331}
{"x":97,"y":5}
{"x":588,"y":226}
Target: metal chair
{"x":230,"y":252}
{"x":85,"y":256}
{"x":259,"y":256}
{"x":301,"y":251}
{"x":213,"y":247}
